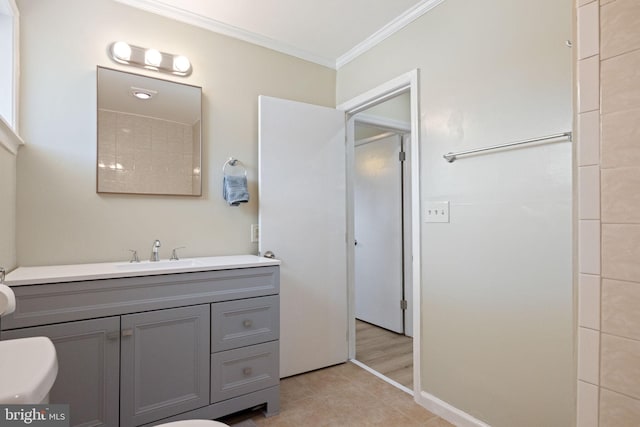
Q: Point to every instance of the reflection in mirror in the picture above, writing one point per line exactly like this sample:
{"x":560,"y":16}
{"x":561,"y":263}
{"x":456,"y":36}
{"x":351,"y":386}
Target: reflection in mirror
{"x":149,"y":135}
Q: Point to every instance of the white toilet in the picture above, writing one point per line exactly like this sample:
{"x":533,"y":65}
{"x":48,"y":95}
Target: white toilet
{"x":28,"y":366}
{"x":28,"y":369}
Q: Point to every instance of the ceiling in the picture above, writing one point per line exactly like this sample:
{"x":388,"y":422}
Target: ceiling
{"x":327,"y":32}
{"x":171,"y":101}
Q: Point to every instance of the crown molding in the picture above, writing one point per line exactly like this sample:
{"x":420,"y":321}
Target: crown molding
{"x":387,"y":31}
{"x":178,"y":14}
{"x":159,"y":8}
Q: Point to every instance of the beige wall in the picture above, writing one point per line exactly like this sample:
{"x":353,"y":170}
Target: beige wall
{"x":609,"y":220}
{"x":61,"y":219}
{"x":7,"y":209}
{"x":497,"y":307}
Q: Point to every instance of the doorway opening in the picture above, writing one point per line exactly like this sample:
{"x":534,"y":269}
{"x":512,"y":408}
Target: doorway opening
{"x":382,"y":293}
{"x":383,"y":228}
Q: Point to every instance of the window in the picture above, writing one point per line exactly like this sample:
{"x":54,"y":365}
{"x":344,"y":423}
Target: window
{"x":9,"y":74}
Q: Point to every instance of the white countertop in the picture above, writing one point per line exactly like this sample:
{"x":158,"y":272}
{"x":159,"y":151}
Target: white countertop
{"x":110,"y":270}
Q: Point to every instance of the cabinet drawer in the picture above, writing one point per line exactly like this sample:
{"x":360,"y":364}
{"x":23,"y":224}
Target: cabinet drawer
{"x":243,"y":370}
{"x":244,"y":322}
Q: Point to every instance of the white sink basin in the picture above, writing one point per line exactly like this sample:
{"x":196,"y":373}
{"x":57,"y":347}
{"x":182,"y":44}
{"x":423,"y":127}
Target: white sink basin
{"x":28,"y":369}
{"x":159,"y":265}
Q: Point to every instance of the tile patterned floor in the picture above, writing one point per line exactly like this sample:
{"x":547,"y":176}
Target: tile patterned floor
{"x":343,"y":396}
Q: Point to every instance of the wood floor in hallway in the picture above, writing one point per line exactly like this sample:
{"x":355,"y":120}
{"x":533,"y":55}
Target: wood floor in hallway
{"x":386,"y":352}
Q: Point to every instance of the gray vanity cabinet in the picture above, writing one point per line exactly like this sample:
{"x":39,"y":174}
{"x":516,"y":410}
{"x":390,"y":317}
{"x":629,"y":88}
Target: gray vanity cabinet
{"x":88,"y":354}
{"x":165,"y":363}
{"x":141,"y":351}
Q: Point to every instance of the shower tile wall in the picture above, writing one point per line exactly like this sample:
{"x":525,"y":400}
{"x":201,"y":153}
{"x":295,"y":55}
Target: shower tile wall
{"x":138,"y":154}
{"x":608,"y":54}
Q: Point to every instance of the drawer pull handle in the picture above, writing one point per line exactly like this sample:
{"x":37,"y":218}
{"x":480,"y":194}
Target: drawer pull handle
{"x":247,"y":323}
{"x":127,"y":332}
{"x":112,"y":336}
{"x":247,"y":371}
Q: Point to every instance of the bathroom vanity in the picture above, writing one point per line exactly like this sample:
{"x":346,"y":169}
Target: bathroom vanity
{"x":143,"y":345}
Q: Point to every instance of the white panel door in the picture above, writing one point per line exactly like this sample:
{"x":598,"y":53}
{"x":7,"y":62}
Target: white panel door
{"x":378,"y":233}
{"x":303,"y":222}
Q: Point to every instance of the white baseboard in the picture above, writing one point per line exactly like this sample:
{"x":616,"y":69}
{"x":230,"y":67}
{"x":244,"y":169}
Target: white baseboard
{"x":450,"y":413}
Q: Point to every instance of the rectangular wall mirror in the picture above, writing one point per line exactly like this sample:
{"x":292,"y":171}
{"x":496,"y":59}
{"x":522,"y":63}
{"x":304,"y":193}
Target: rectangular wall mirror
{"x":149,"y":135}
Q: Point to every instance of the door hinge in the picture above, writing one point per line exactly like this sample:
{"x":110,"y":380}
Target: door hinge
{"x":403,"y":304}
{"x":402,"y":156}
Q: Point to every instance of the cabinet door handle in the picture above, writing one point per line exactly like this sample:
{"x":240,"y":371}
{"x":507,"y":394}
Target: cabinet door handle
{"x":127,"y":332}
{"x":247,"y":371}
{"x":247,"y":323}
{"x":112,"y":336}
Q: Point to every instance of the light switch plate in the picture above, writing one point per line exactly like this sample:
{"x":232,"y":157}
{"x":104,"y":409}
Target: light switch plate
{"x":436,"y":211}
{"x":255,"y":233}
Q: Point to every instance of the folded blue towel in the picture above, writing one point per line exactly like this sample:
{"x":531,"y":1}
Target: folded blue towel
{"x":234,"y":190}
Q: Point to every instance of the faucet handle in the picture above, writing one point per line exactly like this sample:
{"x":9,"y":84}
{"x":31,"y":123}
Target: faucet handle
{"x":174,"y":254}
{"x":134,"y":256}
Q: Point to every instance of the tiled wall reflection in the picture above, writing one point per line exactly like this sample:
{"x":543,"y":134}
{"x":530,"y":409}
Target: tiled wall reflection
{"x":144,"y":155}
{"x":609,"y":213}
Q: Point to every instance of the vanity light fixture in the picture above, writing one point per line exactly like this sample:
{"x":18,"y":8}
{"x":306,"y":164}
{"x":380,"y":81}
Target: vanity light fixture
{"x":151,"y":59}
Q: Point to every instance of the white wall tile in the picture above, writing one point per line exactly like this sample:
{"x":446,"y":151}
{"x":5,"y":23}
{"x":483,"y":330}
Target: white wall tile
{"x":589,"y":192}
{"x":588,"y":355}
{"x":589,"y":246}
{"x":589,"y":84}
{"x":620,"y":136}
{"x":618,"y":410}
{"x":620,"y":314}
{"x":620,"y":364}
{"x":587,"y":405}
{"x":620,"y":195}
{"x":589,"y":138}
{"x":588,"y":30}
{"x":619,"y":24}
{"x":620,"y":84}
{"x":621,"y":252}
{"x":589,"y":301}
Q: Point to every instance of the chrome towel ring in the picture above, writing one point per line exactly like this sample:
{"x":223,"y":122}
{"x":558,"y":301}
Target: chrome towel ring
{"x":233,"y":163}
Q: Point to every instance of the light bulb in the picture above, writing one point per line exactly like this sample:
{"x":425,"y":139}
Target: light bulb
{"x":152,"y":57}
{"x":181,"y":64}
{"x":122,"y":51}
{"x":142,"y":95}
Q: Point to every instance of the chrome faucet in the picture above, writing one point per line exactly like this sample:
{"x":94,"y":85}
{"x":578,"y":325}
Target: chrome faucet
{"x":155,"y":257}
{"x":174,"y":253}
